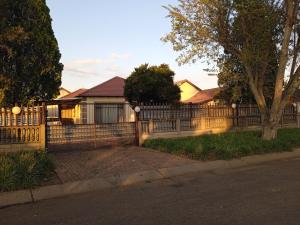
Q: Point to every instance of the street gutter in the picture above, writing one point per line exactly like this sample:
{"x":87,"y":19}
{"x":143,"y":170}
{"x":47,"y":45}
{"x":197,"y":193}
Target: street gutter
{"x":54,"y":191}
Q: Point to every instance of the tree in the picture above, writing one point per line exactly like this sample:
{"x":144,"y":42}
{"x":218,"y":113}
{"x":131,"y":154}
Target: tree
{"x":151,"y":84}
{"x":233,"y":82}
{"x":29,"y":65}
{"x":247,"y":30}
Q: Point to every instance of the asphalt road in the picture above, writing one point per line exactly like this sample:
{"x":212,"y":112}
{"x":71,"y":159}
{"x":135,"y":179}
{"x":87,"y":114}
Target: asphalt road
{"x":264,"y":194}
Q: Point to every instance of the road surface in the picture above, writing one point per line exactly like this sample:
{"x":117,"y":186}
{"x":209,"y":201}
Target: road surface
{"x":263,"y":194}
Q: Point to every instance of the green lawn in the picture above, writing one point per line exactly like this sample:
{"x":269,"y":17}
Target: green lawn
{"x":24,"y":170}
{"x":226,"y":145}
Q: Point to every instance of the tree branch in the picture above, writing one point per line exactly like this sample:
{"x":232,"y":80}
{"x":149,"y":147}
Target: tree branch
{"x":283,"y":59}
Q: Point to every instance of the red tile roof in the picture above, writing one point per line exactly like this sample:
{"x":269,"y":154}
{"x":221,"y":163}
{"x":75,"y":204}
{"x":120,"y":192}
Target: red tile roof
{"x":204,"y":96}
{"x":74,"y":94}
{"x":111,"y":88}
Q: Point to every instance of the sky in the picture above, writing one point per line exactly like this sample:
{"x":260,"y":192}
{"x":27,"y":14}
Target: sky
{"x":100,"y":39}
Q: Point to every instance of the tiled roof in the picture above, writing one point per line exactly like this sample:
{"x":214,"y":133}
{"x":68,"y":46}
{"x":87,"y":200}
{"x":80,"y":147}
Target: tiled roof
{"x":111,"y":88}
{"x":204,"y":96}
{"x":74,"y":94}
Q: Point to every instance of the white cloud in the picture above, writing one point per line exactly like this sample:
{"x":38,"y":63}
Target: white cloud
{"x":97,"y":66}
{"x":87,"y":62}
{"x":116,"y":56}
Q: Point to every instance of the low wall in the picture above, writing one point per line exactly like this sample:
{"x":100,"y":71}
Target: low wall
{"x":177,"y":128}
{"x":22,"y":138}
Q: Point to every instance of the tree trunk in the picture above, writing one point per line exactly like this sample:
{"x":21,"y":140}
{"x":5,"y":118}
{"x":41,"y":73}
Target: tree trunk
{"x":269,"y":132}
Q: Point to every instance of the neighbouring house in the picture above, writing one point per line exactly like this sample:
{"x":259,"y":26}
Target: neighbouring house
{"x":62,"y":92}
{"x":206,"y":96}
{"x":188,"y":89}
{"x":191,"y":93}
{"x":53,"y":109}
{"x":104,"y":103}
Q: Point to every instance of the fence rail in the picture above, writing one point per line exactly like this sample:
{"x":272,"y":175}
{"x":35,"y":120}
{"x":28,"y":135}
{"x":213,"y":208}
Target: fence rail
{"x":59,"y":134}
{"x":30,"y":115}
{"x":105,"y":122}
{"x":20,"y":135}
{"x":158,"y":121}
{"x":186,"y":111}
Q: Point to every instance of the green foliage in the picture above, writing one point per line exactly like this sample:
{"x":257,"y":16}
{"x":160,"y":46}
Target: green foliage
{"x":24,"y":170}
{"x":152,"y":84}
{"x":233,"y":81}
{"x":227,"y":145}
{"x":29,"y":66}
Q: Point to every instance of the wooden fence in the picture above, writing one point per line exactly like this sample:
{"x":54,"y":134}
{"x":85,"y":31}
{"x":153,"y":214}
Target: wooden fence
{"x":162,"y":121}
{"x":23,"y":131}
{"x":28,"y":130}
{"x":186,"y":111}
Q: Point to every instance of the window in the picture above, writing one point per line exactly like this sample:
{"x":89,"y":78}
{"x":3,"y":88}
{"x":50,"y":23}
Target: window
{"x":109,"y":113}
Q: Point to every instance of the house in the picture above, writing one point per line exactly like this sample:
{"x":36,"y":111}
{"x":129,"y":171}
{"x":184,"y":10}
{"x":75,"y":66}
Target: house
{"x":104,"y":103}
{"x":206,"y":96}
{"x":53,"y":111}
{"x":62,"y":92}
{"x":190,"y":93}
{"x":188,"y":89}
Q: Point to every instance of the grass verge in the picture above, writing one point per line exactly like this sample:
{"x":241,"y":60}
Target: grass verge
{"x":24,"y":170}
{"x":227,"y":145}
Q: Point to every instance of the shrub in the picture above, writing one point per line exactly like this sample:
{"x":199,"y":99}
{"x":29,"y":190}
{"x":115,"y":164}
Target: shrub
{"x":24,"y":170}
{"x":227,"y":145}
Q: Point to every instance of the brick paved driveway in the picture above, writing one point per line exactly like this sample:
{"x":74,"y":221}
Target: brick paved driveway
{"x":78,"y":165}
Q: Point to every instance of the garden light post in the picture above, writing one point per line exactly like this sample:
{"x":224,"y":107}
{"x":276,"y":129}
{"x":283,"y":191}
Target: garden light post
{"x":233,"y":113}
{"x":297,"y":112}
{"x":137,"y":110}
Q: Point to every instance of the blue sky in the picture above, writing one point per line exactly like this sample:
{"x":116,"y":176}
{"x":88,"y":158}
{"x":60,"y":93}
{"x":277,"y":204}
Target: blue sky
{"x":100,"y":39}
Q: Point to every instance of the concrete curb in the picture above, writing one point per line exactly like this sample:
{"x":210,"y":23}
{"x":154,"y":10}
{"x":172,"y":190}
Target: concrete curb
{"x":14,"y":198}
{"x":70,"y":188}
{"x":55,"y":191}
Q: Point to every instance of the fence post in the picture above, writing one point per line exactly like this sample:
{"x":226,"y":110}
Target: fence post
{"x":43,"y":137}
{"x":43,"y":126}
{"x":298,"y":114}
{"x":3,"y":117}
{"x":140,"y":140}
{"x":202,"y":122}
{"x":233,"y":117}
{"x":9,"y":114}
{"x":15,"y":120}
{"x":95,"y":135}
{"x":151,"y":126}
{"x":178,"y":125}
{"x":138,"y":129}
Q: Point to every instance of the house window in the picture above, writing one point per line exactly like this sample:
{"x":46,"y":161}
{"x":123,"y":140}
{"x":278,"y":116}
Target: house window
{"x":83,"y":108}
{"x":109,"y":113}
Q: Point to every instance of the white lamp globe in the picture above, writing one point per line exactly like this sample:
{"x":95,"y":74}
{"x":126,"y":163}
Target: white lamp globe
{"x":233,"y":105}
{"x":16,"y":110}
{"x":137,"y":109}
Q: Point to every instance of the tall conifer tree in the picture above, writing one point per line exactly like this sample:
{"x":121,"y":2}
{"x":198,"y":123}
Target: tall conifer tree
{"x":30,"y":67}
